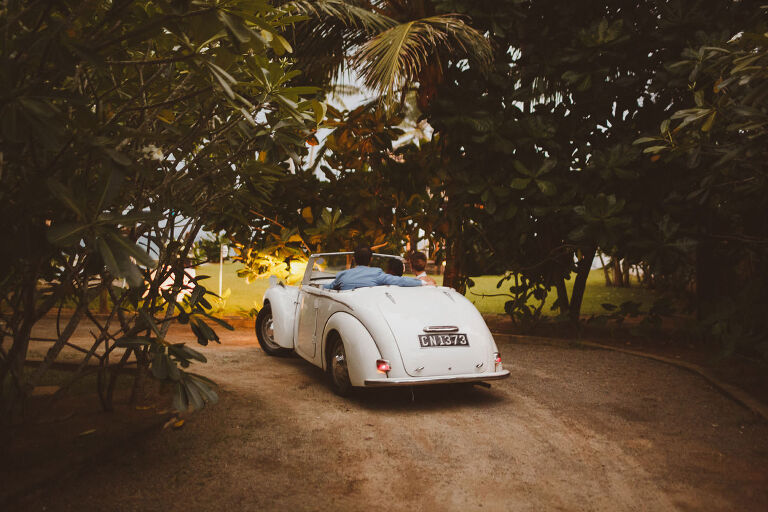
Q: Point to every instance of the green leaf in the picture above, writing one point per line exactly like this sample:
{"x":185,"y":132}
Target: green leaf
{"x":521,"y":168}
{"x":204,"y":386}
{"x":108,"y":257}
{"x":110,"y":187}
{"x":132,"y":249}
{"x":133,"y":342}
{"x":547,"y":187}
{"x":280,"y":45}
{"x":238,"y":28}
{"x":66,"y":234}
{"x":709,"y":122}
{"x":160,"y":365}
{"x":180,"y":399}
{"x":520,"y":183}
{"x":219,"y":321}
{"x":547,"y":166}
{"x":319,"y":108}
{"x":128,"y":269}
{"x":224,"y":79}
{"x":149,"y":321}
{"x":65,"y":195}
{"x":195,"y":397}
{"x":189,"y":352}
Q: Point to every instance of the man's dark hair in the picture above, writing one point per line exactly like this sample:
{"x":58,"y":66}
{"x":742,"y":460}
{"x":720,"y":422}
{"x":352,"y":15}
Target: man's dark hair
{"x":363,"y":255}
{"x":418,"y":261}
{"x":395,"y":267}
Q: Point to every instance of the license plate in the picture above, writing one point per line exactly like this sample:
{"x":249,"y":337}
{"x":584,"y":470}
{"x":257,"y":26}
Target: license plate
{"x":443,"y":340}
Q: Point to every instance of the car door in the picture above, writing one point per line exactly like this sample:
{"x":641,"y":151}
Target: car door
{"x":306,"y":324}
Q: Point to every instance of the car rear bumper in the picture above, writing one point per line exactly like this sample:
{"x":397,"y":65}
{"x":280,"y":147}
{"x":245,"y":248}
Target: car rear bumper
{"x":422,"y":381}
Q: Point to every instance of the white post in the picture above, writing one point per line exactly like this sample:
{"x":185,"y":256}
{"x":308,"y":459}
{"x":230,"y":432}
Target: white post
{"x":221,"y":267}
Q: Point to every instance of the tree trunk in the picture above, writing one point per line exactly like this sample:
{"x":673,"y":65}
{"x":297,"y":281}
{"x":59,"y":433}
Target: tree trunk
{"x":580,"y":283}
{"x":454,"y":271}
{"x":562,"y":296}
{"x":413,"y":242}
{"x":103,"y":301}
{"x":617,"y":277}
{"x":12,"y":371}
{"x":606,"y":273}
{"x":625,"y":274}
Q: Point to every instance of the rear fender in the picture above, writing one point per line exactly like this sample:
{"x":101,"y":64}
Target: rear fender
{"x":282,"y":299}
{"x":360,"y":349}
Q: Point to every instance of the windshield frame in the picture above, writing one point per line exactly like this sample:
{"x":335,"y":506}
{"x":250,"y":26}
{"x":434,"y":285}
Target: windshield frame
{"x":311,"y":263}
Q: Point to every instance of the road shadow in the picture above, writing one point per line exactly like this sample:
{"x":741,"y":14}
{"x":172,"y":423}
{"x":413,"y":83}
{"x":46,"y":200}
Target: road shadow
{"x":427,"y":398}
{"x":421,"y":398}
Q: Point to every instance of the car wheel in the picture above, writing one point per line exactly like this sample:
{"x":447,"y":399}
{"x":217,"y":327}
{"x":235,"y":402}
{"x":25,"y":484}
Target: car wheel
{"x":337,"y":368}
{"x":265,"y":332}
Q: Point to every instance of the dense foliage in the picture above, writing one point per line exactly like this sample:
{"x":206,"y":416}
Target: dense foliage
{"x":722,"y":140}
{"x":127,"y":127}
{"x":539,"y":166}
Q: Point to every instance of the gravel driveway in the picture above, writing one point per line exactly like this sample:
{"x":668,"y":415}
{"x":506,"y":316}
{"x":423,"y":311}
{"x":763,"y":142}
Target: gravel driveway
{"x":572,"y":429}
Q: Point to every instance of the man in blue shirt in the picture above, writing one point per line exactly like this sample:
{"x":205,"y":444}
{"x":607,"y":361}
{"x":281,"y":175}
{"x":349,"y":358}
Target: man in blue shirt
{"x":362,"y":275}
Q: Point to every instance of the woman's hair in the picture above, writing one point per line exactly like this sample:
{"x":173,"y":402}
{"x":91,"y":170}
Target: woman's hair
{"x":395,"y":267}
{"x":418,"y":261}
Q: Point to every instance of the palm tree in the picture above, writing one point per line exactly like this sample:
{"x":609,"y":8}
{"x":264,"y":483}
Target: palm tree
{"x":391,"y":44}
{"x":394,"y":46}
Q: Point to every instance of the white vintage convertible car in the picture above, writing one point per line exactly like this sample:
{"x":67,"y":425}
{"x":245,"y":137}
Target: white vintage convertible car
{"x":379,"y":335}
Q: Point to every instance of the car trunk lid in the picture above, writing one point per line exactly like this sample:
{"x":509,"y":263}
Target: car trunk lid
{"x":438,"y":331}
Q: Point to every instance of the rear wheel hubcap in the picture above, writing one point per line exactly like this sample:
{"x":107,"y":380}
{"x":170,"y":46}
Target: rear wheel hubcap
{"x":339,"y":366}
{"x":268,"y":332}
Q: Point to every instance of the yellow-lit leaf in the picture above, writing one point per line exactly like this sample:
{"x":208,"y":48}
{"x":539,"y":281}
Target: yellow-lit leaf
{"x":306,"y":214}
{"x":281,"y":45}
{"x":166,"y":115}
{"x":320,"y":109}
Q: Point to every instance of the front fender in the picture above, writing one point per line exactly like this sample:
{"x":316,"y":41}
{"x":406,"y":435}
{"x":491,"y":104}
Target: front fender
{"x":359,"y":346}
{"x":282,"y":299}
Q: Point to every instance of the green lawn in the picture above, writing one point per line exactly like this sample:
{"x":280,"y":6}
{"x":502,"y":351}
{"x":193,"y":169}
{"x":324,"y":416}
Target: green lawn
{"x":595,"y":295}
{"x":244,"y":296}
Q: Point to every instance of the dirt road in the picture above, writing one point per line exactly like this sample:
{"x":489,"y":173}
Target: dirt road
{"x":573,"y":429}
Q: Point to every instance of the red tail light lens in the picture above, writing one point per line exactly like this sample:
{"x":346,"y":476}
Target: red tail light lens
{"x":382,"y":365}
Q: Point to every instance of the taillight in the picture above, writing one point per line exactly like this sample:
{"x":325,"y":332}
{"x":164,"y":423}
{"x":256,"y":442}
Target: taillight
{"x":382,"y":365}
{"x":497,"y":361}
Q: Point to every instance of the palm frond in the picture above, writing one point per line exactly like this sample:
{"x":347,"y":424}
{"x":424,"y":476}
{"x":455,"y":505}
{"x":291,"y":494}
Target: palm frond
{"x":350,"y":14}
{"x":396,"y":56}
{"x":334,"y":28}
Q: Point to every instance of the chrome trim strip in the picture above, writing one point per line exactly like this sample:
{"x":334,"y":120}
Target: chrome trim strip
{"x":421,"y":381}
{"x":441,"y":328}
